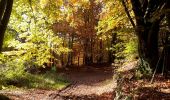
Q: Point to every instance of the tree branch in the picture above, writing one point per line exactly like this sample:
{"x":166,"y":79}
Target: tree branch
{"x":144,"y":4}
{"x":153,"y":5}
{"x":136,"y":6}
{"x":128,"y":14}
{"x":2,"y":8}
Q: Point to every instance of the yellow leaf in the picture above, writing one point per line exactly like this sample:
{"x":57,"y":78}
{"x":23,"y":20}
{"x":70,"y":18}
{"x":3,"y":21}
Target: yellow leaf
{"x":43,"y":3}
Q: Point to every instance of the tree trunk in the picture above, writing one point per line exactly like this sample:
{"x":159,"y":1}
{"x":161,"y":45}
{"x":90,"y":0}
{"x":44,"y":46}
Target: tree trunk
{"x":62,"y":54}
{"x":88,"y":57}
{"x":85,"y":52}
{"x":5,"y":12}
{"x":167,"y":47}
{"x":112,"y":52}
{"x":100,"y":59}
{"x":78,"y":59}
{"x":148,"y":43}
{"x":91,"y":51}
{"x":147,"y":28}
{"x":70,"y":46}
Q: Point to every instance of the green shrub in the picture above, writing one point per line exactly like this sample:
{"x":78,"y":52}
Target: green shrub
{"x":131,"y":51}
{"x":41,"y":81}
{"x":143,"y":70}
{"x":12,"y":75}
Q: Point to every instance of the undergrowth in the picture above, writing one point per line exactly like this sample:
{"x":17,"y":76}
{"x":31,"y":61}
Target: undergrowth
{"x":13,"y":75}
{"x":49,"y":80}
{"x":143,"y":70}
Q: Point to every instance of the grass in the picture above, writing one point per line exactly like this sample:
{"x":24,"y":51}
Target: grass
{"x":49,"y":80}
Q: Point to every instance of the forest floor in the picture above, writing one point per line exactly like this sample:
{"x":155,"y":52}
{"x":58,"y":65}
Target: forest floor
{"x":86,"y":83}
{"x":97,"y":83}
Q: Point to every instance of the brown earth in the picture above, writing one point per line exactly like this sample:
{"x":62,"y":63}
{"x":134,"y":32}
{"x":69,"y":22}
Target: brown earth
{"x":87,"y":83}
{"x":97,"y":83}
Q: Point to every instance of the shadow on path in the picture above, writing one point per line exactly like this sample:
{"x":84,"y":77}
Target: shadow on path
{"x":88,"y":80}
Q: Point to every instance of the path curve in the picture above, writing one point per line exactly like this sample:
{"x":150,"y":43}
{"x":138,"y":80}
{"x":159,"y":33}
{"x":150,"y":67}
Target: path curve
{"x":87,"y":83}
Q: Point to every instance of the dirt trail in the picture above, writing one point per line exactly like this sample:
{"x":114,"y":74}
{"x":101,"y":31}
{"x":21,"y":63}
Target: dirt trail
{"x":93,"y":83}
{"x":87,"y":83}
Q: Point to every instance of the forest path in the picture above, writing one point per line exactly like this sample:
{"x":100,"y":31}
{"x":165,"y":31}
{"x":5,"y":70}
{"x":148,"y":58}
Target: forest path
{"x":94,"y":83}
{"x":87,"y":83}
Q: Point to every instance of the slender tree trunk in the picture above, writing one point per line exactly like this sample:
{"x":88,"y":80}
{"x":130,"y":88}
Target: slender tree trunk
{"x":112,"y":52}
{"x":72,"y":41}
{"x":88,"y":52}
{"x":91,"y":51}
{"x":100,"y":59}
{"x":70,"y":46}
{"x":62,"y":54}
{"x":5,"y":12}
{"x":69,"y":54}
{"x":79,"y":59}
